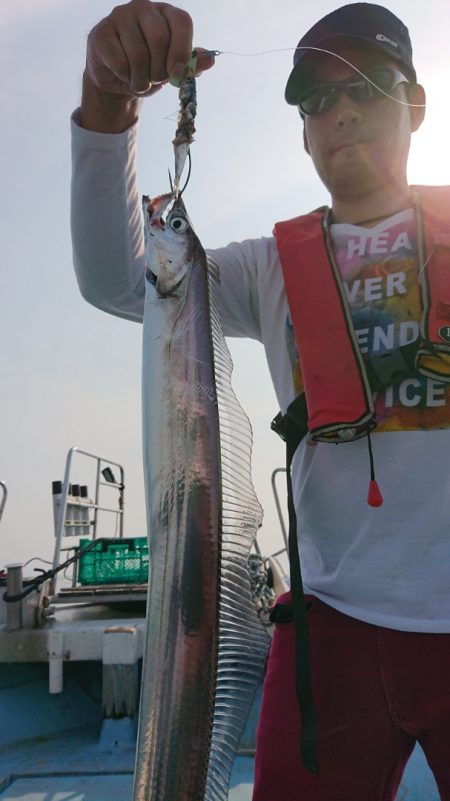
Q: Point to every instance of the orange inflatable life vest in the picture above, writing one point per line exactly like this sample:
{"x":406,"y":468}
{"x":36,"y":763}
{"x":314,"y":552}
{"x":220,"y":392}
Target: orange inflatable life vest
{"x":338,"y":388}
{"x":337,"y":403}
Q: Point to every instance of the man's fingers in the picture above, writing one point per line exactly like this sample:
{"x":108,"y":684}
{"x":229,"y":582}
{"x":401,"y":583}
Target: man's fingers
{"x":156,"y":35}
{"x":180,"y":48}
{"x":106,"y":58}
{"x":138,"y":56}
{"x":205,"y":60}
{"x":141,"y":44}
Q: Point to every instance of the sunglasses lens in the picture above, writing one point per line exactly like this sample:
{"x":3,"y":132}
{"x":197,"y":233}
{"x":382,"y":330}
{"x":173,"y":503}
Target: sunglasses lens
{"x":383,"y":77}
{"x":359,"y":89}
{"x":320,"y":99}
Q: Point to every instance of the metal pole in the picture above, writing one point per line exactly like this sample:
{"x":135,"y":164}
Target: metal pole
{"x":97,"y":497}
{"x":61,"y":519}
{"x":4,"y":497}
{"x":121,"y":501}
{"x":14,"y":586}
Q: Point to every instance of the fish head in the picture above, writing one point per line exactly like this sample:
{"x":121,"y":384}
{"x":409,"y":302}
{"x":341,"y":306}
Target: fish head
{"x":169,"y":242}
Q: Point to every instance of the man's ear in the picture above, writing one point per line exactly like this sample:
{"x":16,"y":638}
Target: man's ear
{"x":305,"y":141}
{"x":417,"y":97}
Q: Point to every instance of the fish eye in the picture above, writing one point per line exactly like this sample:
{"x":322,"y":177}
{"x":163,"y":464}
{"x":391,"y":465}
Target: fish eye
{"x":178,"y":224}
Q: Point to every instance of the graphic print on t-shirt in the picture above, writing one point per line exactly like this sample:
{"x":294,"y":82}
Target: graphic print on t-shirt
{"x":379,"y":272}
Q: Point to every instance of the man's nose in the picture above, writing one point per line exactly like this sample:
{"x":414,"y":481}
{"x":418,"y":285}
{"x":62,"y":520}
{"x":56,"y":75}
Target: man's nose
{"x":348,"y":118}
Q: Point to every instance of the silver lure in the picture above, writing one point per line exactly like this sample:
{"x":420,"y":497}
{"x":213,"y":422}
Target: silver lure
{"x":205,"y":647}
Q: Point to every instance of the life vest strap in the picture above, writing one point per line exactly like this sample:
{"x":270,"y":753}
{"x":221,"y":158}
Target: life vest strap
{"x":292,"y":427}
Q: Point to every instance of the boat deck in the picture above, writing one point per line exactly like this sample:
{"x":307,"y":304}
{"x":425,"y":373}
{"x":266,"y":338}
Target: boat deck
{"x":60,"y":746}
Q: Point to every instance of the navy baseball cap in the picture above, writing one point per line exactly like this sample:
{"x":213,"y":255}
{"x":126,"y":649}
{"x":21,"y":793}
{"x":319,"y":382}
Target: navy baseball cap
{"x":365,"y":23}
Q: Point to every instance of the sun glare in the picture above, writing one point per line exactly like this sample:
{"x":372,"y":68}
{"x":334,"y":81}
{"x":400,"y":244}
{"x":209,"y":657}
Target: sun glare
{"x":429,"y":161}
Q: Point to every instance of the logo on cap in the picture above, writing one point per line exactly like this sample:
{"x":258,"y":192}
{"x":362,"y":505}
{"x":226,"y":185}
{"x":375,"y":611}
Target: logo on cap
{"x":382,"y":38}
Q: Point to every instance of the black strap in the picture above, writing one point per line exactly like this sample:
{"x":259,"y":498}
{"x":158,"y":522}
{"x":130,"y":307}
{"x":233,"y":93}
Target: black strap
{"x":292,"y":427}
{"x":281,"y":613}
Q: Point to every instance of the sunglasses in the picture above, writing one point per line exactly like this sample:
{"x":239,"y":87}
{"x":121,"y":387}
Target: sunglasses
{"x":324,"y":97}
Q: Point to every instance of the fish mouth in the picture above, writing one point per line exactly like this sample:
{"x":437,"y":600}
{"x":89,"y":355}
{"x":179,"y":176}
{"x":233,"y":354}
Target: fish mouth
{"x":168,"y":243}
{"x":151,"y":276}
{"x":158,"y":208}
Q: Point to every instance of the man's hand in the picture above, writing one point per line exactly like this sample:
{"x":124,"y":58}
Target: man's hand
{"x":131,"y":54}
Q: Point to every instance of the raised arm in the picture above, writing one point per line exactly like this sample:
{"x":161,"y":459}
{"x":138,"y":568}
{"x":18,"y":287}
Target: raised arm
{"x":130,"y":55}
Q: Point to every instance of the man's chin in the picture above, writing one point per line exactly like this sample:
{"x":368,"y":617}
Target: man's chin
{"x":350,"y":181}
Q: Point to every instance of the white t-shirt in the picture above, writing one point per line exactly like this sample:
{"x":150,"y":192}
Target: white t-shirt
{"x":388,"y":565}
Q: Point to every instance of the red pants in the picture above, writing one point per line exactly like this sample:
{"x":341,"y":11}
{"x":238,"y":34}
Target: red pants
{"x":376,"y":691}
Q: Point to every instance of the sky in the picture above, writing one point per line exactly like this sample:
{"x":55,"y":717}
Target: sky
{"x":70,"y":374}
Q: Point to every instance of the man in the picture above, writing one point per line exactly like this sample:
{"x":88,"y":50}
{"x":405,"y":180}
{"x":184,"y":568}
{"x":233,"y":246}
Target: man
{"x":375,"y":574}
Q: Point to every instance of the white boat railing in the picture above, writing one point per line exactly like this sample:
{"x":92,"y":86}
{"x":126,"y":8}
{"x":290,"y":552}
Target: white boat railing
{"x":4,"y":497}
{"x":103,"y":469}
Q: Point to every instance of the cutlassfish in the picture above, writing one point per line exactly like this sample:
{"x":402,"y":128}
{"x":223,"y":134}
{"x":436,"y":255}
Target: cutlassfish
{"x":205,"y":647}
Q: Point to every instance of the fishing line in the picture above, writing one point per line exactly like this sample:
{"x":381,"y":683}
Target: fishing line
{"x":305,"y":47}
{"x":319,"y":50}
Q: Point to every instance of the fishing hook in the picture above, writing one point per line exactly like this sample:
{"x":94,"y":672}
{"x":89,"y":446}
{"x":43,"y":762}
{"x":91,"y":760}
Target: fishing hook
{"x":189,"y":172}
{"x":179,"y":192}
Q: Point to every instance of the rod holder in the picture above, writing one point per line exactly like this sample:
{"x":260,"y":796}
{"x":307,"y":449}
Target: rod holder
{"x":14,"y":586}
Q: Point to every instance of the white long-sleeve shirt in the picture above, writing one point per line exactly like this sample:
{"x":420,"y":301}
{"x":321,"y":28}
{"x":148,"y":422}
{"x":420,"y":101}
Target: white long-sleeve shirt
{"x":390,"y":565}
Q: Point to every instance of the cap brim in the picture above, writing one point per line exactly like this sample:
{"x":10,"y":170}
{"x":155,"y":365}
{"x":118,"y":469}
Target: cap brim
{"x":300,"y":76}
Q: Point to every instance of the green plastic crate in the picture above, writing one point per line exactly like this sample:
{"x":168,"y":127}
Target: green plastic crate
{"x":118,"y":561}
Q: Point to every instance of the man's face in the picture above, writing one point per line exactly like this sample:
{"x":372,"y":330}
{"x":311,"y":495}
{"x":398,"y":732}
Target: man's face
{"x":358,"y":148}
